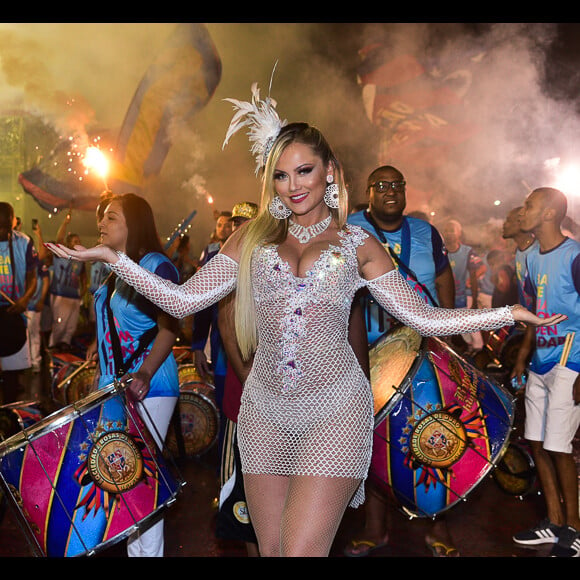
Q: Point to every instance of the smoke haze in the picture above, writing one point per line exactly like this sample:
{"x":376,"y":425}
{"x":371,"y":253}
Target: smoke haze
{"x":81,"y":77}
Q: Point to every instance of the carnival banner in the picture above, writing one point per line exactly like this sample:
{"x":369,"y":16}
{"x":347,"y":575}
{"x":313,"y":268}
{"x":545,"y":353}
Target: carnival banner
{"x":178,"y":83}
{"x":418,"y":103}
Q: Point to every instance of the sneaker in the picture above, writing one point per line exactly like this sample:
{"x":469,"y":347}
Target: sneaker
{"x":568,"y":545}
{"x":544,"y":533}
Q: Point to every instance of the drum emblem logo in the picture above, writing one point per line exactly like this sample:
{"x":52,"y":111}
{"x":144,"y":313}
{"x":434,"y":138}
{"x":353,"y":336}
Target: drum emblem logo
{"x":240,"y":510}
{"x":438,"y":440}
{"x":115,"y":462}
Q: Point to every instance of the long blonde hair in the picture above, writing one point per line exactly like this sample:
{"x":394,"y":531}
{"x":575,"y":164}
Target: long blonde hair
{"x":265,"y":229}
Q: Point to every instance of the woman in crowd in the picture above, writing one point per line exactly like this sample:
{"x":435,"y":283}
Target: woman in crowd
{"x":146,"y":333}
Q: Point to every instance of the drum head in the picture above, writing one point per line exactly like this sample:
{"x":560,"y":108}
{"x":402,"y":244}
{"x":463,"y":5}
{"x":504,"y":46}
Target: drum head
{"x":198,"y":418}
{"x":81,"y":384}
{"x":391,"y":358}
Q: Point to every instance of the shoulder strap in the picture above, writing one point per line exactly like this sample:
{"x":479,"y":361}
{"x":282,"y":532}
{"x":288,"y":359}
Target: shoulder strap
{"x":121,"y":367}
{"x":12,"y":265}
{"x":396,"y":258}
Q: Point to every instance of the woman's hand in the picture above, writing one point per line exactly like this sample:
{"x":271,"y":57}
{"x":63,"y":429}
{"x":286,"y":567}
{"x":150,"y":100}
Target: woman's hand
{"x":140,"y":384}
{"x":522,"y":314}
{"x":100,"y":253}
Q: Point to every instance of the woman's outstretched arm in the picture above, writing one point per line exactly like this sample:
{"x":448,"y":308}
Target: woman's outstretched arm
{"x":208,"y":285}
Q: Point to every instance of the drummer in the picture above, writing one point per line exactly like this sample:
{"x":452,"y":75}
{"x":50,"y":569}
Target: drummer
{"x":146,"y":334}
{"x":417,"y":249}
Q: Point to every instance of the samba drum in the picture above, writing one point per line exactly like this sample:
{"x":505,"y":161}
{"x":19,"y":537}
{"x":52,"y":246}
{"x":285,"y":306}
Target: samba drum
{"x":516,"y":472}
{"x":86,"y":476}
{"x":440,"y":424}
{"x":13,"y":418}
{"x":74,"y":381}
{"x":198,"y":418}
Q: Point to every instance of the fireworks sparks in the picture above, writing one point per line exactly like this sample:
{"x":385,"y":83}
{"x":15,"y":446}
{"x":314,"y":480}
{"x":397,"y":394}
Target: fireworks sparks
{"x":95,"y":160}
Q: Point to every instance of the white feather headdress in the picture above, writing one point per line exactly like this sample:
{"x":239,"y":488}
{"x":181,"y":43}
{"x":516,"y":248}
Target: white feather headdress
{"x":262,"y":120}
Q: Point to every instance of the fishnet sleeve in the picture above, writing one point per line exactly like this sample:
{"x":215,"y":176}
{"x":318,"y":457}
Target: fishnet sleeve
{"x":216,"y":279}
{"x":396,"y":296}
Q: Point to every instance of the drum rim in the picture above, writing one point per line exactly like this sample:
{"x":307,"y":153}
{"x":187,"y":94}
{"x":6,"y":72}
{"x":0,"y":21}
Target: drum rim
{"x":401,"y":389}
{"x":60,"y":417}
{"x":171,"y":438}
{"x":530,"y":460}
{"x":204,"y":397}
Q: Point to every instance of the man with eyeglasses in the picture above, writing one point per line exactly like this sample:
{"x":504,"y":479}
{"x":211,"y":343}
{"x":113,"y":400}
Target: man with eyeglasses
{"x":415,"y":245}
{"x":419,"y":253}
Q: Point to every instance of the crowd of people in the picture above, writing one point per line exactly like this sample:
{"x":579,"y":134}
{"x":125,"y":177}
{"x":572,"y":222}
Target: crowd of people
{"x":286,"y":299}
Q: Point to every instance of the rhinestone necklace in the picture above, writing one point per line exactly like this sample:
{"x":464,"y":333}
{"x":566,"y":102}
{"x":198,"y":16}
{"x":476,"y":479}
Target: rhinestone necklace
{"x":305,"y":234}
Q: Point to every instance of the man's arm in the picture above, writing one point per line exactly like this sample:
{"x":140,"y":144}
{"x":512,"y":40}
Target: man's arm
{"x":445,"y":287}
{"x":226,"y":325}
{"x":61,"y":234}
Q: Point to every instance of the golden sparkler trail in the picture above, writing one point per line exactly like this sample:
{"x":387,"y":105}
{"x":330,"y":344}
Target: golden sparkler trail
{"x":95,"y":160}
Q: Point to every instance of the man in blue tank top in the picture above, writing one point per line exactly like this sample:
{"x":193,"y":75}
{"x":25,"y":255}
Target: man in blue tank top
{"x":420,"y":255}
{"x":552,"y":395}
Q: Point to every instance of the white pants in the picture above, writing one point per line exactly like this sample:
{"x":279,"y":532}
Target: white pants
{"x":150,"y":543}
{"x":19,"y":360}
{"x":65,"y":317}
{"x":34,"y":336}
{"x":551,"y":414}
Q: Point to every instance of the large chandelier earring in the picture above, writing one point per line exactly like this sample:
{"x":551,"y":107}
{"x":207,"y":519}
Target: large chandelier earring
{"x":331,"y":193}
{"x":278,"y":209}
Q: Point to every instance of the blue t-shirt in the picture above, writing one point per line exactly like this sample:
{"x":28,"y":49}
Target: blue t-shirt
{"x":425,"y":256}
{"x":41,"y":275}
{"x":553,"y":280}
{"x":521,"y":272}
{"x":26,"y":260}
{"x":463,"y":262}
{"x":134,"y":315}
{"x":99,"y":273}
{"x":66,"y":277}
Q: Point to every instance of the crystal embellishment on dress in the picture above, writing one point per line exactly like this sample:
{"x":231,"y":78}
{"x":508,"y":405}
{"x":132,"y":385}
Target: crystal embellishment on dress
{"x":305,"y":234}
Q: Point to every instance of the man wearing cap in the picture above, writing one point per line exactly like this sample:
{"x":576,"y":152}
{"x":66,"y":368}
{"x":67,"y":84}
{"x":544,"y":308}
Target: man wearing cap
{"x":242,"y":212}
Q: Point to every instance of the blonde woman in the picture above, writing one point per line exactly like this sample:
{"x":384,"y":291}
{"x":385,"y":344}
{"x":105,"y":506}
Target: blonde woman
{"x":306,"y":419}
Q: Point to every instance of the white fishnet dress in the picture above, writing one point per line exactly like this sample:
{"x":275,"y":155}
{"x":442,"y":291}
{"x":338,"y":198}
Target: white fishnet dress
{"x":307,"y":406}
